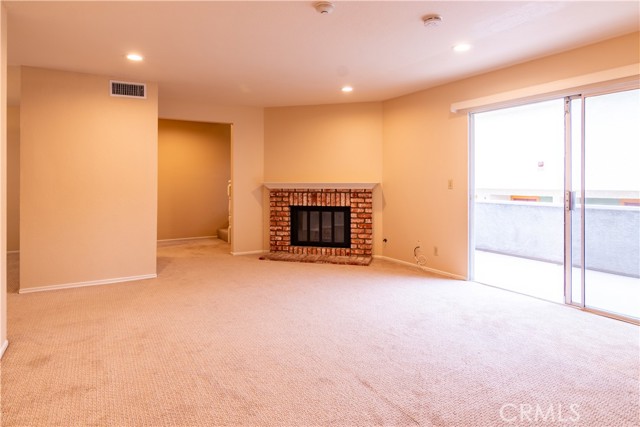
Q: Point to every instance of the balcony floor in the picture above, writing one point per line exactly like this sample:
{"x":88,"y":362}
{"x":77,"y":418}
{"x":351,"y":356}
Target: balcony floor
{"x":604,"y":291}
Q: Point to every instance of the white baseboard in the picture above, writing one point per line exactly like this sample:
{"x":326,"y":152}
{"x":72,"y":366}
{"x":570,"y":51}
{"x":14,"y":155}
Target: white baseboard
{"x":3,"y":347}
{"x":89,"y":283}
{"x":186,"y":239}
{"x":249,"y":253}
{"x":430,"y":270}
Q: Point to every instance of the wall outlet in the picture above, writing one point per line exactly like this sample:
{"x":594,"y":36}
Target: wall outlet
{"x":435,"y":251}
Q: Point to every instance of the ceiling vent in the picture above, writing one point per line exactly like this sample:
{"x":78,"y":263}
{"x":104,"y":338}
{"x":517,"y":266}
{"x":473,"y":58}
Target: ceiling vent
{"x":128,"y":90}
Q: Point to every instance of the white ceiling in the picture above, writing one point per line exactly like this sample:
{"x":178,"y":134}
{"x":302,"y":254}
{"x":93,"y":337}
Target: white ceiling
{"x":268,"y":53}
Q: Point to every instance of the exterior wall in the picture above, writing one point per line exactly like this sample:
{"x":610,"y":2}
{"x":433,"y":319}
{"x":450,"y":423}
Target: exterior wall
{"x":193,"y":171}
{"x":426,"y":147}
{"x":360,"y":201}
{"x":536,"y":231}
{"x":88,"y":184}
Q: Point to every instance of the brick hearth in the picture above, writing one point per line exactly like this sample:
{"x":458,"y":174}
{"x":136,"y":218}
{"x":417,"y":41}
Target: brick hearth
{"x":359,"y":200}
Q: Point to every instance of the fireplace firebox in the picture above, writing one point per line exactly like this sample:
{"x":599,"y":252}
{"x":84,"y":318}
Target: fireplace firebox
{"x":321,"y":226}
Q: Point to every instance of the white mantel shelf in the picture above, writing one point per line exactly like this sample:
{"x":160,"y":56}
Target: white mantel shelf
{"x":319,"y":185}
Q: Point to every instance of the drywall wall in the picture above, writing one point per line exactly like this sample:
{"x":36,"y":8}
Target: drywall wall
{"x":13,"y":179}
{"x":325,"y":144}
{"x":247,"y":164}
{"x":194,"y":161}
{"x":425,"y":146}
{"x":3,"y":168}
{"x":88,"y":183}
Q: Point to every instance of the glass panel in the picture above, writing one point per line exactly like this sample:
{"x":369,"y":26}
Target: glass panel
{"x":519,"y":209}
{"x":576,"y":208}
{"x":612,"y":202}
{"x":303,"y":226}
{"x":326,"y":227}
{"x":338,"y":227}
{"x":314,"y":226}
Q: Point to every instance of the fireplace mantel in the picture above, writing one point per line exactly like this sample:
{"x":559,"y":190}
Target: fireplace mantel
{"x":319,"y":185}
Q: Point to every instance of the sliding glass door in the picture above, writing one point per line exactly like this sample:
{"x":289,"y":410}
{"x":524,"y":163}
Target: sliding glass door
{"x":556,"y":201}
{"x":518,"y":199}
{"x":610,"y":214}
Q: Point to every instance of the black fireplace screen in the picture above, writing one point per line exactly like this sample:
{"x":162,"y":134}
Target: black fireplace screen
{"x":325,"y":226}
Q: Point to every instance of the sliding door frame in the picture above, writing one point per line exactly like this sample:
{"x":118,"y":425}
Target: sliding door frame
{"x":569,"y":203}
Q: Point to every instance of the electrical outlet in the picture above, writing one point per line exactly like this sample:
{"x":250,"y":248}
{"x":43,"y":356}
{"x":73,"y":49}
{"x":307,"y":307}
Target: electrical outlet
{"x":435,"y":251}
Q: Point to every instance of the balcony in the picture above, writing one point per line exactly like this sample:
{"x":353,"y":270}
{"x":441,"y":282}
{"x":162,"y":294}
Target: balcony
{"x":519,"y":246}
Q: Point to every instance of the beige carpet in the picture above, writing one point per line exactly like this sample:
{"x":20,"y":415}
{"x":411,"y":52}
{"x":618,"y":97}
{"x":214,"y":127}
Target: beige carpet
{"x":222,"y":340}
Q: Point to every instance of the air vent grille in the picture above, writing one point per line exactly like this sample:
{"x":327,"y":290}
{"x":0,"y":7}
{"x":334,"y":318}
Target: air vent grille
{"x":128,"y":90}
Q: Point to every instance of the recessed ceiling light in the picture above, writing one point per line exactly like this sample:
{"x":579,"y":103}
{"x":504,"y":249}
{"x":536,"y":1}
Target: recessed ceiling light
{"x":347,"y":89}
{"x":134,"y":57}
{"x":462,"y":47}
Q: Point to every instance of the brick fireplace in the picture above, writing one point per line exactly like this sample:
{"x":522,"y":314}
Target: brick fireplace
{"x":282,"y":197}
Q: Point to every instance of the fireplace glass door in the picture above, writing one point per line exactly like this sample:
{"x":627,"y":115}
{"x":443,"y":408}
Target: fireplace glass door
{"x":325,"y":226}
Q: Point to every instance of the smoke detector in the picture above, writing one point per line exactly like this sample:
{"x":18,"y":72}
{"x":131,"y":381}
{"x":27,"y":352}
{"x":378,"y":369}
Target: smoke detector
{"x":324,"y":7}
{"x":432,"y":20}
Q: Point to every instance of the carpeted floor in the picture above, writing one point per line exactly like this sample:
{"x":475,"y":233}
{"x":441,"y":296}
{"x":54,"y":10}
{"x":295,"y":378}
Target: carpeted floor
{"x":223,"y":340}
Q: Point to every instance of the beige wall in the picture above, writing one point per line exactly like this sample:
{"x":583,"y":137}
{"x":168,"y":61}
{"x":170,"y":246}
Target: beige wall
{"x":247,"y":165}
{"x":326,"y":143}
{"x":425,"y":145}
{"x":193,"y":170}
{"x":3,"y":185}
{"x":88,"y":190}
{"x":13,"y":178}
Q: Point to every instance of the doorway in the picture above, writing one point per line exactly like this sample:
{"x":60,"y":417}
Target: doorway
{"x":533,"y":166}
{"x":194,"y":170}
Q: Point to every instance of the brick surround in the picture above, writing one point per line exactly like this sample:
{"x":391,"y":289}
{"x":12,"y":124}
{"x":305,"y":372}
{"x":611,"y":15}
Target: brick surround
{"x":360,"y":201}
